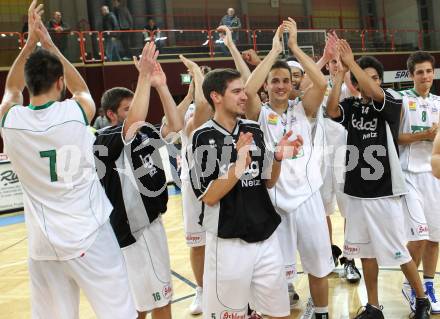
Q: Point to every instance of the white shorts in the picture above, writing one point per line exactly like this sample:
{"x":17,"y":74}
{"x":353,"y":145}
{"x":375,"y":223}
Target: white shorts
{"x":238,"y":273}
{"x":100,"y":273}
{"x":328,"y":192}
{"x":192,"y":208}
{"x":341,"y":199}
{"x":422,"y":207}
{"x":148,"y":266}
{"x":334,"y":156}
{"x":305,"y":229}
{"x":375,"y":229}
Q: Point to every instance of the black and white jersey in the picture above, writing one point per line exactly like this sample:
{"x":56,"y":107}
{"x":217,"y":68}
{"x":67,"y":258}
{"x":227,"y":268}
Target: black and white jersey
{"x":246,"y":212}
{"x":372,"y":164}
{"x":134,"y":179}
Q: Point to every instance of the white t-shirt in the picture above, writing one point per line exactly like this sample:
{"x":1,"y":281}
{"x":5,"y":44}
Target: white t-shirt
{"x":51,"y":149}
{"x":419,"y":114}
{"x":300,"y":176}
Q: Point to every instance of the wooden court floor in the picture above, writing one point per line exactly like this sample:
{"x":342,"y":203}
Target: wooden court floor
{"x":345,"y":298}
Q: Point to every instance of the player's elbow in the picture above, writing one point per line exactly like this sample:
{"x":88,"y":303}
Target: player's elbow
{"x":175,"y":126}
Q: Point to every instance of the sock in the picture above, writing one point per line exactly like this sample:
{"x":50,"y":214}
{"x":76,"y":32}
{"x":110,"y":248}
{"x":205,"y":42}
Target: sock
{"x":428,"y":278}
{"x":321,"y":313}
{"x":322,"y":310}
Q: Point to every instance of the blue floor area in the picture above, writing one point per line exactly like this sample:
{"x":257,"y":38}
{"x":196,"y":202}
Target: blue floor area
{"x":173,"y":190}
{"x":11,"y":220}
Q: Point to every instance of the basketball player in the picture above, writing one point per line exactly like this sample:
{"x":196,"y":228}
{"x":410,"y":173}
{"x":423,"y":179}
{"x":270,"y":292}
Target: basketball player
{"x":231,"y":169}
{"x":418,"y":128}
{"x":135,"y":183}
{"x":197,"y":114}
{"x":334,"y":141}
{"x":374,"y":221}
{"x":71,"y":243}
{"x":296,"y":196}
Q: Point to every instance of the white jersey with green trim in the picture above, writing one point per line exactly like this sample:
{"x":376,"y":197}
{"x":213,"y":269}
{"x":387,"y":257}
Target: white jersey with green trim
{"x":51,"y":150}
{"x":300,"y":176}
{"x":330,"y":138}
{"x":419,"y":114}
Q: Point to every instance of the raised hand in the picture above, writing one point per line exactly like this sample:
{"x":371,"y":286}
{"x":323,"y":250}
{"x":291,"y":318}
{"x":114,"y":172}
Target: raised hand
{"x":330,"y":51}
{"x":286,"y":148}
{"x":345,"y":52}
{"x":34,"y":20}
{"x":191,"y":65}
{"x":276,"y":41}
{"x":158,"y":78}
{"x":44,"y":36}
{"x":343,"y":68}
{"x":243,"y":146}
{"x":290,"y":26}
{"x":147,"y":62}
{"x":251,"y":57}
{"x":228,"y":35}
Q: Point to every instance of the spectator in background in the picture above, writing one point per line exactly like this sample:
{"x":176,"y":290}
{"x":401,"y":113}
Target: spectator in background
{"x":264,"y":97}
{"x":152,"y":27}
{"x":233,"y":22}
{"x":110,"y":23}
{"x":57,"y":28}
{"x":125,"y":23}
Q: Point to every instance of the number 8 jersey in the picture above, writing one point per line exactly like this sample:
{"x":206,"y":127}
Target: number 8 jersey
{"x":51,"y":150}
{"x":419,"y":114}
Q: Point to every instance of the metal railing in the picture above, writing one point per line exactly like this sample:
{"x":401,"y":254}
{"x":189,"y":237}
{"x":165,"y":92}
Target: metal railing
{"x":95,"y":46}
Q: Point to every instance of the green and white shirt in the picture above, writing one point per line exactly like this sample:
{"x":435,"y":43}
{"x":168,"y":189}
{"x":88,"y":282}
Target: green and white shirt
{"x":419,"y":114}
{"x":51,"y":150}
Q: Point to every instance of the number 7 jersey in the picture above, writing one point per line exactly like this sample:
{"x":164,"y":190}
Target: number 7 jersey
{"x":51,"y":150}
{"x":419,"y":114}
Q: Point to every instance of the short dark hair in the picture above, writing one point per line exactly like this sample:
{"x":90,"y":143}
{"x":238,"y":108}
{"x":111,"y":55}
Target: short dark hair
{"x":281,"y":64}
{"x":41,"y":70}
{"x":111,"y":99}
{"x":217,"y":80}
{"x":368,"y":62}
{"x":419,"y":57}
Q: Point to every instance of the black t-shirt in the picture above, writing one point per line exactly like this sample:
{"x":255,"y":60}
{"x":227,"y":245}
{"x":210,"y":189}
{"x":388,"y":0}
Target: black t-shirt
{"x":134,"y":179}
{"x":373,"y":168}
{"x":246,"y":212}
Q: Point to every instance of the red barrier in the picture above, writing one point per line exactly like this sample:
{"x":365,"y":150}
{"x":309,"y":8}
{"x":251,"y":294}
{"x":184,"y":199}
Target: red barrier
{"x":206,"y":43}
{"x":92,"y":49}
